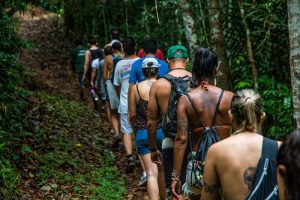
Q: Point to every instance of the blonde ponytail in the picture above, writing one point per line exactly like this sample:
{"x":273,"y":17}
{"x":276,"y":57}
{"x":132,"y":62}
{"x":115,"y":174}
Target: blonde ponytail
{"x":246,"y":107}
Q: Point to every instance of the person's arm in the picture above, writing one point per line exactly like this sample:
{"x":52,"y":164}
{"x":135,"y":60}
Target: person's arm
{"x":117,"y":80}
{"x":180,"y":144}
{"x":132,"y":82}
{"x":132,"y":107}
{"x":107,"y":63}
{"x":130,"y":99}
{"x":152,"y":113}
{"x":86,"y":63}
{"x":210,"y":179}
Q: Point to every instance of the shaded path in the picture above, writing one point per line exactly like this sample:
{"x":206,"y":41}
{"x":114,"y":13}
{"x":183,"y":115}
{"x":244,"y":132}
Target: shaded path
{"x":49,"y":59}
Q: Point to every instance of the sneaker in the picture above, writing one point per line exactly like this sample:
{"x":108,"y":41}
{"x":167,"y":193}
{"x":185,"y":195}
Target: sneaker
{"x":143,"y":180}
{"x":129,"y":166}
{"x":116,"y":142}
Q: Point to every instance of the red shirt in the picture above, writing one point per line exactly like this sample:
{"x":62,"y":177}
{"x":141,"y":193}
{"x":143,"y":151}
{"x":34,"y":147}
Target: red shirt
{"x":158,"y":54}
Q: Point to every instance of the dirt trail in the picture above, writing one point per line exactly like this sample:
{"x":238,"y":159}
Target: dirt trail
{"x":48,"y":58}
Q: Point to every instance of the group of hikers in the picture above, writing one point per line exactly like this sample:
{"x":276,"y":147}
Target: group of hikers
{"x":194,"y":139}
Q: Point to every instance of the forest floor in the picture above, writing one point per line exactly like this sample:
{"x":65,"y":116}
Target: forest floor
{"x":71,"y":158}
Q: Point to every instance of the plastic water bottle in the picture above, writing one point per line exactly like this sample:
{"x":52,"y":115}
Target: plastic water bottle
{"x":94,"y":95}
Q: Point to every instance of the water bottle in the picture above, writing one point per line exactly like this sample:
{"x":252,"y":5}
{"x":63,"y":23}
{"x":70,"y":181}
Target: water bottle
{"x":94,"y":95}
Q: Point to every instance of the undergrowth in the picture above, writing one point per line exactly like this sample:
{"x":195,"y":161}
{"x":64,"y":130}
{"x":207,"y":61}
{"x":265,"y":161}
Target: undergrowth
{"x":54,"y":147}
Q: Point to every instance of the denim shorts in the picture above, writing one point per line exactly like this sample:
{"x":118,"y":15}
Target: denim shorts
{"x":125,"y":126}
{"x":141,"y":141}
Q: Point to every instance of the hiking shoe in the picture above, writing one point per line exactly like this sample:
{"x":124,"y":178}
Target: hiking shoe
{"x":96,"y":114}
{"x":137,"y":162}
{"x":81,"y":96}
{"x":129,"y":166}
{"x":143,"y":180}
{"x":116,"y":142}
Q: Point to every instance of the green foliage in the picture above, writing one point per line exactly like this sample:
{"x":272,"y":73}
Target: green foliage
{"x":267,"y":21}
{"x":108,"y":187}
{"x":277,"y":105}
{"x":38,"y":142}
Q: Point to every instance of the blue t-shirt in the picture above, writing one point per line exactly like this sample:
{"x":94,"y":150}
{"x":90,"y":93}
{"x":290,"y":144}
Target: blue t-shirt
{"x":136,"y":74}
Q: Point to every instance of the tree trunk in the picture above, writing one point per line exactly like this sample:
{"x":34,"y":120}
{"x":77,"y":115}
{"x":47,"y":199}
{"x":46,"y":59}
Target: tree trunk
{"x":126,"y":18}
{"x":203,"y":23}
{"x":188,"y":23}
{"x":146,"y":22}
{"x":105,"y":24}
{"x":294,"y":36}
{"x":218,"y":44}
{"x":249,"y":45}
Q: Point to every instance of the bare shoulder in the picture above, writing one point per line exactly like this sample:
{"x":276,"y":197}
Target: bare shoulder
{"x":183,"y":102}
{"x":160,"y":85}
{"x":134,"y":88}
{"x":221,"y":146}
{"x":228,"y":94}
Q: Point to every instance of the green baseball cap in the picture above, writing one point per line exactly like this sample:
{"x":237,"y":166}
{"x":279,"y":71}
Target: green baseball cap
{"x":177,"y":51}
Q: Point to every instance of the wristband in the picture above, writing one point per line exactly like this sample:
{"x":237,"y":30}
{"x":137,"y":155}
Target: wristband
{"x":175,"y":175}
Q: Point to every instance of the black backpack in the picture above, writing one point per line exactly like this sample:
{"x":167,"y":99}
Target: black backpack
{"x":209,"y":137}
{"x":179,"y":87}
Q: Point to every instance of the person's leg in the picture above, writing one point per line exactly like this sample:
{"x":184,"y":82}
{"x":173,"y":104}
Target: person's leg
{"x":152,"y":173}
{"x":95,"y":102}
{"x":167,"y":153}
{"x":127,"y":141}
{"x":161,"y":182}
{"x":81,"y":84}
{"x":115,"y":122}
{"x":161,"y":178}
{"x":103,"y":95}
{"x":108,"y":112}
{"x":144,"y":174}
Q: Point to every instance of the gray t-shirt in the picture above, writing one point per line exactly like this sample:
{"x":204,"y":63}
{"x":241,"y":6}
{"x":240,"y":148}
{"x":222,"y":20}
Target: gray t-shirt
{"x":121,"y":78}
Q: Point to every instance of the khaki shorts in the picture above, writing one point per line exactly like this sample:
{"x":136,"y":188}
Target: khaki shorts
{"x":114,"y":101}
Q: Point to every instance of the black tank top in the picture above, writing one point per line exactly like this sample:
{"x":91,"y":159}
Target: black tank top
{"x":141,"y":114}
{"x":96,"y":53}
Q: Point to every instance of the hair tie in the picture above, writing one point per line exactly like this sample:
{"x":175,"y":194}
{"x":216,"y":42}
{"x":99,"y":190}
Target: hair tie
{"x":247,"y":98}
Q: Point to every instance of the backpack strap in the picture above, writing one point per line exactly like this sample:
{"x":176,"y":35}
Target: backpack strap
{"x":215,"y":113}
{"x":194,"y":108}
{"x":269,"y":148}
{"x":169,"y":77}
{"x":217,"y":108}
{"x":137,"y":88}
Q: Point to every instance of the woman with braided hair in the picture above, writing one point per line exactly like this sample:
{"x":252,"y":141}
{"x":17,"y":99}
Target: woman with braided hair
{"x":242,"y":166}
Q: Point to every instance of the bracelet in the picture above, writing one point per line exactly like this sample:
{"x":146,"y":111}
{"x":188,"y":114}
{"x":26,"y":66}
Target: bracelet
{"x":175,"y":175}
{"x":153,"y":149}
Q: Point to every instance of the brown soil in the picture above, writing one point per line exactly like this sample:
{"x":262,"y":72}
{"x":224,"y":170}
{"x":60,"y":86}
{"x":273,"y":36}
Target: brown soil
{"x":48,"y":58}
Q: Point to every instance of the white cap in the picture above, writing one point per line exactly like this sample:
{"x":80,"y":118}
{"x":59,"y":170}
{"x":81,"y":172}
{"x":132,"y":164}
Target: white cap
{"x":150,"y":62}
